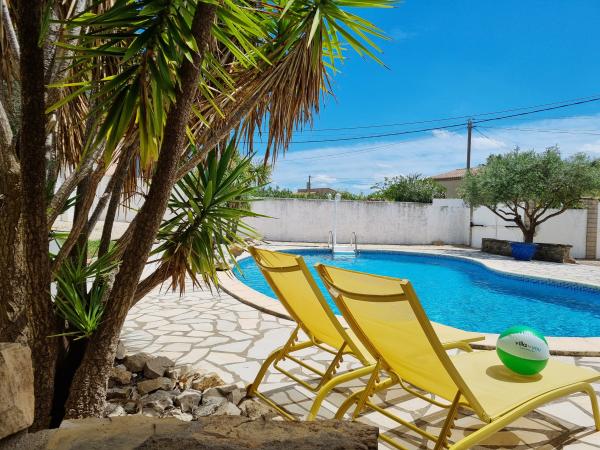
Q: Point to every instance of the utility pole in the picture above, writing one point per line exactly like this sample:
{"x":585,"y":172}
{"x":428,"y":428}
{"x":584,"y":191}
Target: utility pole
{"x":469,"y":133}
{"x":308,"y":185}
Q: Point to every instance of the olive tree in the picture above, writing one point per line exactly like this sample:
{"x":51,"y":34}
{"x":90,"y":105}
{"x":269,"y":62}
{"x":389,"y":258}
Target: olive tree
{"x":529,"y":188}
{"x":409,"y":188}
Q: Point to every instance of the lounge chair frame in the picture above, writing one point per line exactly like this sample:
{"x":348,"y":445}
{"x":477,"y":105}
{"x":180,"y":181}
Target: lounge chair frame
{"x":330,"y":378}
{"x":463,"y":398}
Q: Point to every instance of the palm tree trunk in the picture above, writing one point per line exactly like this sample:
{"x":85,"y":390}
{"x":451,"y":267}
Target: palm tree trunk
{"x":88,"y":390}
{"x":32,"y":153}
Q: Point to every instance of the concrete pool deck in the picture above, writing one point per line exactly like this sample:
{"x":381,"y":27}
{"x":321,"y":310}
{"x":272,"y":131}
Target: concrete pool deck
{"x":214,"y":331}
{"x":586,"y":275}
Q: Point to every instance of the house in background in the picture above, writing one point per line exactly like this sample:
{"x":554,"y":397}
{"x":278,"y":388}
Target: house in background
{"x":451,"y":180}
{"x":318,"y":191}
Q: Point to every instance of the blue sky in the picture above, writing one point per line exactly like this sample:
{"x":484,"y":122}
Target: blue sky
{"x":454,"y":58}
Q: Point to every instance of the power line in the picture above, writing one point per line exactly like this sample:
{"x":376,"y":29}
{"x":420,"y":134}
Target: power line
{"x":340,"y":154}
{"x":445,"y":119}
{"x":443,"y":127}
{"x":581,"y":102}
{"x":539,"y":130}
{"x":483,"y":134}
{"x":381,"y":135}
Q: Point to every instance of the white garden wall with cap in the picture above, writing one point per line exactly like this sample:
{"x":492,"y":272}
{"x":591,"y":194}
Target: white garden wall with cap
{"x":567,"y":228}
{"x":446,"y":220}
{"x":298,"y":220}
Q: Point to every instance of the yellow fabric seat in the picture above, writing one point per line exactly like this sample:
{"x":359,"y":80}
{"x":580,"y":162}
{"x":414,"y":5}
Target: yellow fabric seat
{"x":298,"y":292}
{"x":499,"y":390}
{"x":449,"y":335}
{"x":387,"y":317}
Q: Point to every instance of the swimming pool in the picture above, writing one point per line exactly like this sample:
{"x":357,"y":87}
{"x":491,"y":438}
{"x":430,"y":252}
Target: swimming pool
{"x":464,"y":293}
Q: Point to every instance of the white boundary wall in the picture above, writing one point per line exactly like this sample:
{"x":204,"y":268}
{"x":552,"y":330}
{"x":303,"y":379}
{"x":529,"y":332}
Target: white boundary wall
{"x":298,"y":220}
{"x":446,"y":220}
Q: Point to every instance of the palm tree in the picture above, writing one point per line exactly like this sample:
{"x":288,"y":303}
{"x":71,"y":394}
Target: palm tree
{"x":147,"y":89}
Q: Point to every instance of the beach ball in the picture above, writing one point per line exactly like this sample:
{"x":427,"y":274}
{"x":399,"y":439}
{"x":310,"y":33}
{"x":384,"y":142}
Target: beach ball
{"x":523,"y":350}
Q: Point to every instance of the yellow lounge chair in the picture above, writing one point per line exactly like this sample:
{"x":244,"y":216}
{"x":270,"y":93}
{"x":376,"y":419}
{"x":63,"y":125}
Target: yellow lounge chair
{"x":298,"y":292}
{"x":386,"y":315}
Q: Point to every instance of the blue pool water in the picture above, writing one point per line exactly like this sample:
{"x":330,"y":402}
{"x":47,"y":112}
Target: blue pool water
{"x":465,"y":294}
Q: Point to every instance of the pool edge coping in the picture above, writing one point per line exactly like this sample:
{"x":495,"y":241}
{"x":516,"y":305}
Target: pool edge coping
{"x":559,"y":345}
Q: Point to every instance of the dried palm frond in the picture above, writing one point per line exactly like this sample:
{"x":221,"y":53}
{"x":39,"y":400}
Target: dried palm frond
{"x":284,"y":93}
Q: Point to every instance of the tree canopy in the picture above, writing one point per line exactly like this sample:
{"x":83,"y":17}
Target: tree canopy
{"x":408,"y":188}
{"x":529,"y":188}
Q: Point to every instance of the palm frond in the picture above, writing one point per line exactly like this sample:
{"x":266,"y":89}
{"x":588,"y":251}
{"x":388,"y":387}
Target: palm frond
{"x":206,"y":219}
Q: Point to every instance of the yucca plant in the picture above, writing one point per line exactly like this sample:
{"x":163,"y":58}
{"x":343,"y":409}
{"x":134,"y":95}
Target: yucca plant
{"x":80,"y":307}
{"x":206,"y":219}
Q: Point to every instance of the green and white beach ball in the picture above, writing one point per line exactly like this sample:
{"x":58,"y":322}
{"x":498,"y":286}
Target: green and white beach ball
{"x":523,"y":350}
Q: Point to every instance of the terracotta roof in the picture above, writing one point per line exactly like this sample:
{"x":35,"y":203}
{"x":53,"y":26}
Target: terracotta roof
{"x":456,"y":174}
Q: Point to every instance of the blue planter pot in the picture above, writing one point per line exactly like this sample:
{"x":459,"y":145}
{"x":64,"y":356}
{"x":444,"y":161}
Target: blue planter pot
{"x":523,"y":251}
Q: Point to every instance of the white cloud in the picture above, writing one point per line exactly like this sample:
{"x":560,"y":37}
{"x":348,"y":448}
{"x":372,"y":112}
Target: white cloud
{"x":324,"y":179}
{"x":358,"y":167}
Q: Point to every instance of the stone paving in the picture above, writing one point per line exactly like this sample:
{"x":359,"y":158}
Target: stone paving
{"x":215,"y":332}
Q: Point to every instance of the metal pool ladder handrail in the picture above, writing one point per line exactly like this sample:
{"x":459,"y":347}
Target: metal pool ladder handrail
{"x":354,"y":241}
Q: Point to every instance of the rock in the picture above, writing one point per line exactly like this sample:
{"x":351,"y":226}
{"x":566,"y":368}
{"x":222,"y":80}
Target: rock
{"x":224,"y":432}
{"x":16,"y":388}
{"x":118,"y":393}
{"x":151,"y":412}
{"x":188,"y":400}
{"x":159,"y":401}
{"x":114,"y":410}
{"x":156,"y":367}
{"x":214,"y":393}
{"x":232,"y":392}
{"x":121,"y":351}
{"x":179,"y":415}
{"x":136,"y":362}
{"x":185,"y":380}
{"x":147,"y":386}
{"x":208,"y":407}
{"x":254,"y":409}
{"x":207,"y":381}
{"x":179,"y":372}
{"x":119,"y":375}
{"x":227,"y":409}
{"x":131,"y":407}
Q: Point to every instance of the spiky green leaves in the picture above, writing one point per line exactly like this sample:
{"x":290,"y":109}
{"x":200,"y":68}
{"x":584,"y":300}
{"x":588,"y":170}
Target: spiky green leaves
{"x":80,"y":307}
{"x":206,"y":218}
{"x":128,"y":62}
